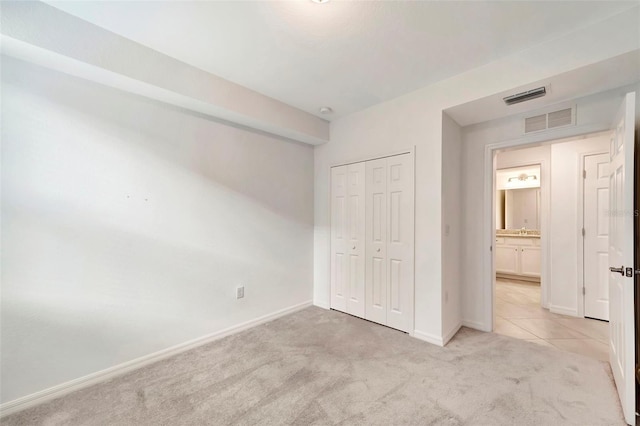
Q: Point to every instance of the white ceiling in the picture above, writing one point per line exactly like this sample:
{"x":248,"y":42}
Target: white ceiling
{"x":348,"y":55}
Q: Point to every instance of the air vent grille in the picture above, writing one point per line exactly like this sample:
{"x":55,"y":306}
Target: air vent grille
{"x":559,"y":118}
{"x":551,"y":120}
{"x":525,"y":96}
{"x":535,"y":124}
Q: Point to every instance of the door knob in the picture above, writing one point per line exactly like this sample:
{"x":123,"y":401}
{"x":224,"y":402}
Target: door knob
{"x":378,"y":250}
{"x":354,"y":247}
{"x":618,"y":270}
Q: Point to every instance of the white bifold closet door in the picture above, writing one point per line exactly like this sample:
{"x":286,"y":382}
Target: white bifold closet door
{"x":347,"y":238}
{"x":376,"y":237}
{"x":372,"y":233}
{"x":389,"y":237}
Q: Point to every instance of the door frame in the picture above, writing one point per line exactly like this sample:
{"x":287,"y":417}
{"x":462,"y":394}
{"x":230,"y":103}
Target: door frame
{"x":411,"y":150}
{"x":488,"y":208}
{"x":580,"y":240}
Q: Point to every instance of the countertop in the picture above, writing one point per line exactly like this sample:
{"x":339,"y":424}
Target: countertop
{"x":516,"y":235}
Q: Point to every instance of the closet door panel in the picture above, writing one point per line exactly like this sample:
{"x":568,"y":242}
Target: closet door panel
{"x":339,"y":239}
{"x":376,"y":238}
{"x":356,"y":210}
{"x":400,"y":211}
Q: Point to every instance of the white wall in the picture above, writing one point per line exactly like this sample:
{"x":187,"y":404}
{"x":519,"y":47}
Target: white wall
{"x":566,"y":184}
{"x":594,"y":112}
{"x":128,"y":224}
{"x":415,"y":119}
{"x":451,"y":229}
{"x":523,"y":157}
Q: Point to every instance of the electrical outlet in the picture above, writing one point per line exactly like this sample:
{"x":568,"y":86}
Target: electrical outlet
{"x":239,"y":292}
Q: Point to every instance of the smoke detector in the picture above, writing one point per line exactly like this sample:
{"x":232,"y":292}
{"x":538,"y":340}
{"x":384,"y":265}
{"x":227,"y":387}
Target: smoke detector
{"x":325,"y":109}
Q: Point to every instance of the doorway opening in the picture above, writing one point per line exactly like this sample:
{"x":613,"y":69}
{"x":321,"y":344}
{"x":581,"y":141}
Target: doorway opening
{"x":550,"y":276}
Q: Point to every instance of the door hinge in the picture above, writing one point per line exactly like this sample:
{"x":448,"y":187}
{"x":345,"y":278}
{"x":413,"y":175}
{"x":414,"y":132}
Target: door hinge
{"x":583,"y":291}
{"x":583,"y":232}
{"x":584,"y":174}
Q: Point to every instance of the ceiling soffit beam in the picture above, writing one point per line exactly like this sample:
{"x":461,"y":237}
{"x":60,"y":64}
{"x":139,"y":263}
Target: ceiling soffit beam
{"x":46,"y":36}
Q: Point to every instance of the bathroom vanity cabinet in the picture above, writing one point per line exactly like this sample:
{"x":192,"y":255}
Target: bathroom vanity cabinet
{"x":518,"y":256}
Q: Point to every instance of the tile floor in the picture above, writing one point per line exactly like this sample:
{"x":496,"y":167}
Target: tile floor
{"x":519,"y":315}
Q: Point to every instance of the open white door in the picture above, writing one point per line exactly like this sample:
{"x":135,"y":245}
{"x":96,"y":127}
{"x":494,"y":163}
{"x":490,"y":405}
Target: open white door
{"x":621,"y":257}
{"x":596,"y":237}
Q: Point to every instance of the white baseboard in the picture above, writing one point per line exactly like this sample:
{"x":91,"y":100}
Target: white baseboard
{"x":476,"y":325}
{"x":451,"y":333}
{"x":428,"y":337}
{"x":320,"y":304}
{"x":120,"y":369}
{"x":563,"y":311}
{"x":437,"y":340}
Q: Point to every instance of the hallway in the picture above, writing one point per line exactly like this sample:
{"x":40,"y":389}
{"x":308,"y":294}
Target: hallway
{"x":519,"y":315}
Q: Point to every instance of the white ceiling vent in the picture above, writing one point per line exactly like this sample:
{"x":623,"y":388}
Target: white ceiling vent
{"x":564,"y":117}
{"x":551,"y":120}
{"x":525,"y":96}
{"x":535,"y":124}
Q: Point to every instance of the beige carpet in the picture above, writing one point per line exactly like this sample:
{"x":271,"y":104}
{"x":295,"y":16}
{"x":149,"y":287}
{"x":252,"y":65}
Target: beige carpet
{"x":324,"y":367}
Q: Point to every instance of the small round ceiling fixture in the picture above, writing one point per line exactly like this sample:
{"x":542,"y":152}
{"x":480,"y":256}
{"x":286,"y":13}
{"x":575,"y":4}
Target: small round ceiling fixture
{"x":325,"y":109}
{"x":320,"y":1}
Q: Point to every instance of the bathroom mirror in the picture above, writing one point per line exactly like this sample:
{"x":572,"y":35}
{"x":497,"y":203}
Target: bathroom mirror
{"x":518,"y":198}
{"x":518,"y":208}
